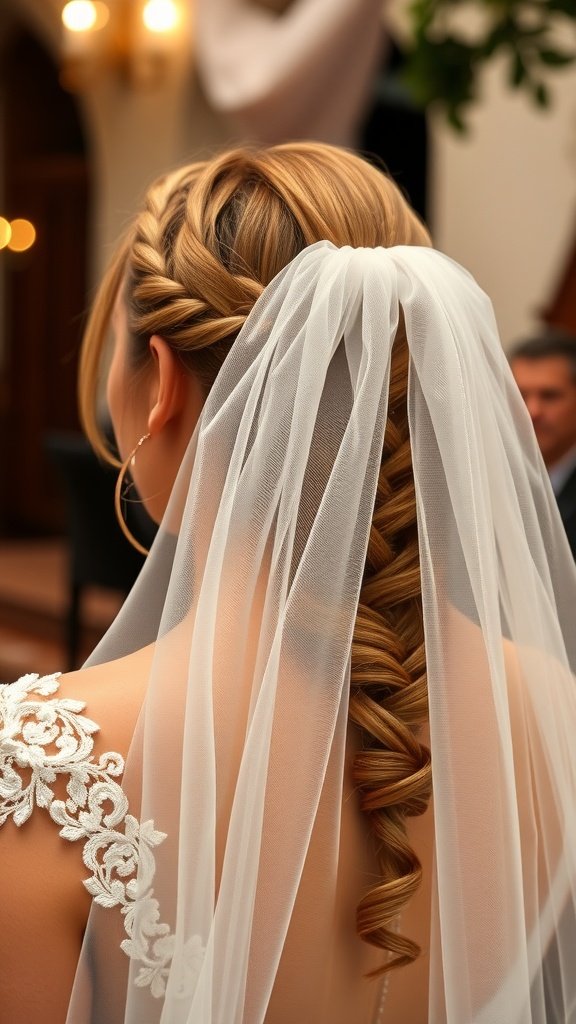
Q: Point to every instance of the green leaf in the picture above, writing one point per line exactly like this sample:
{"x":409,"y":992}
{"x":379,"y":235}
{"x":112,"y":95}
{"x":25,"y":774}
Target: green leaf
{"x":456,"y":121}
{"x":518,"y":72}
{"x":561,"y":7}
{"x":443,"y":68}
{"x":422,"y":13}
{"x":494,"y":40}
{"x":556,"y":59}
{"x":541,"y":95}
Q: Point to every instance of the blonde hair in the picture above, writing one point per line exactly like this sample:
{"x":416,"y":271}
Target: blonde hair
{"x":210,"y":238}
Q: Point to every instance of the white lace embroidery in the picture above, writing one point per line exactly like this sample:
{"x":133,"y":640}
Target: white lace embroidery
{"x":43,"y":739}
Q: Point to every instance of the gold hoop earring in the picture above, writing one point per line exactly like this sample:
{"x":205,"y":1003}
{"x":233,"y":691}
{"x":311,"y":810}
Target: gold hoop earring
{"x":118,"y":497}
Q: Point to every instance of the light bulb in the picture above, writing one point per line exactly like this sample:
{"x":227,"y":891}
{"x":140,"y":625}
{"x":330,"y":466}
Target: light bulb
{"x":80,"y":15}
{"x":160,"y":15}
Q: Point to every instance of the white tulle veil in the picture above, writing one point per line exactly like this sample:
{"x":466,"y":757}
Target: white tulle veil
{"x":250,"y":595}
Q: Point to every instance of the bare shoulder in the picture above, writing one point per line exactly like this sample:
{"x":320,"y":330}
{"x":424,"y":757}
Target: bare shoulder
{"x":59,"y":735}
{"x":112,"y":695}
{"x":56,"y":727}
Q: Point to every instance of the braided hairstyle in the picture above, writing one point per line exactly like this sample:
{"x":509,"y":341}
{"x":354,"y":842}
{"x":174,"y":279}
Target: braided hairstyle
{"x":389,"y":695}
{"x":210,"y":238}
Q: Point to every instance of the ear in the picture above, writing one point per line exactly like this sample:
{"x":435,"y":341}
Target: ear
{"x":167,"y":387}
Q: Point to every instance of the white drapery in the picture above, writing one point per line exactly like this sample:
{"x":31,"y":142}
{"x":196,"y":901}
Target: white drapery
{"x":303,"y":74}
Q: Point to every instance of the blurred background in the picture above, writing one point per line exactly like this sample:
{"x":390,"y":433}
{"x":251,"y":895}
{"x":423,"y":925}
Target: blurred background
{"x":470,"y":105}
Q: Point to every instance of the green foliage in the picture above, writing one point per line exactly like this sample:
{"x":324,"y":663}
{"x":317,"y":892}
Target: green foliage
{"x":443,"y":65}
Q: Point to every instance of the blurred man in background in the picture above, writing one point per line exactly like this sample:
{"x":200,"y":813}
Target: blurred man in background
{"x":545,"y":370}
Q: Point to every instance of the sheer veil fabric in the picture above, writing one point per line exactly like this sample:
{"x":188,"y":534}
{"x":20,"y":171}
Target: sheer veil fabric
{"x":250,"y":594}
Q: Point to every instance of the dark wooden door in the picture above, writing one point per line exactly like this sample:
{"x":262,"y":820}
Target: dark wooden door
{"x":46,"y":181}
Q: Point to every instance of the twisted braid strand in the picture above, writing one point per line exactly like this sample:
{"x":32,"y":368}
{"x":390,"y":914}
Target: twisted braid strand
{"x":388,"y":699}
{"x":180,"y":289}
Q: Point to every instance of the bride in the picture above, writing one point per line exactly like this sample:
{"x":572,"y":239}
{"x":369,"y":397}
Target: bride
{"x":321,"y":769}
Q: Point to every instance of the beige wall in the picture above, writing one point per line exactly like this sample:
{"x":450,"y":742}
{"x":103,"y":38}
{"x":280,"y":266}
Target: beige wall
{"x":505,"y":197}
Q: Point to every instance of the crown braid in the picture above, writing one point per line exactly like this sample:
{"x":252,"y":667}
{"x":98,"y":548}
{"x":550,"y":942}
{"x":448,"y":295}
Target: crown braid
{"x":179,"y":288}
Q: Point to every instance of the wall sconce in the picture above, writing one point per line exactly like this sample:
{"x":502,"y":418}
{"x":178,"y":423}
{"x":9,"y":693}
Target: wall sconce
{"x":138,"y":39}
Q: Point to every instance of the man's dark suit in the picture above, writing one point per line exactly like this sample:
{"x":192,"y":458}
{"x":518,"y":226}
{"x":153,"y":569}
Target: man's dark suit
{"x":566,"y":499}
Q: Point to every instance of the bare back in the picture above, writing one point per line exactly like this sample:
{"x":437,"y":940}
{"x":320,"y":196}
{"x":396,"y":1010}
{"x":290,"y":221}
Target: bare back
{"x":45,"y":906}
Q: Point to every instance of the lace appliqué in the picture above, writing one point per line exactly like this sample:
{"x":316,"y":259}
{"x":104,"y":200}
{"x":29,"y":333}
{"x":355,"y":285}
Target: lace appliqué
{"x":41,"y":740}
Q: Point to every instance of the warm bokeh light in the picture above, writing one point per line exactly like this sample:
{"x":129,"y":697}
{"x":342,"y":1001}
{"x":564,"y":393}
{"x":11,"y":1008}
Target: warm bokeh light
{"x":161,"y":15}
{"x":80,"y":15}
{"x":102,"y":14}
{"x":5,"y":232}
{"x":23,"y":235}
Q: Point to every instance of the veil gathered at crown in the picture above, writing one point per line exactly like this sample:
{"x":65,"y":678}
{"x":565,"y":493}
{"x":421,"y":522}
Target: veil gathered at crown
{"x":250,"y":596}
